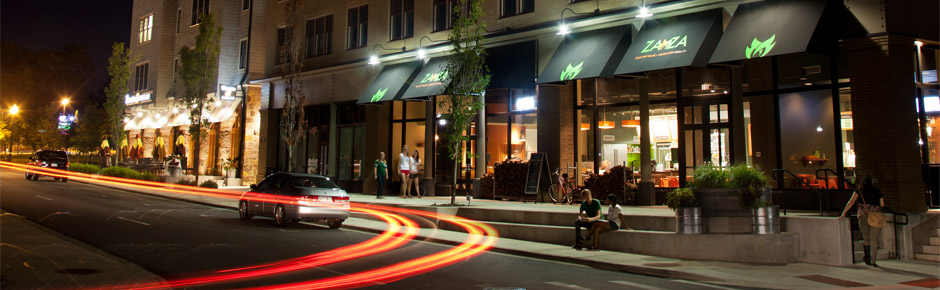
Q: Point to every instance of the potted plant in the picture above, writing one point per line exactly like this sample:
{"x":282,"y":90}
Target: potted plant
{"x":688,"y":213}
{"x":173,"y":165}
{"x":230,"y":165}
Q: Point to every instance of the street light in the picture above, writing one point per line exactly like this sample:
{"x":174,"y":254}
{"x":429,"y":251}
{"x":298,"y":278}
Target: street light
{"x":64,"y":102}
{"x":13,"y":111}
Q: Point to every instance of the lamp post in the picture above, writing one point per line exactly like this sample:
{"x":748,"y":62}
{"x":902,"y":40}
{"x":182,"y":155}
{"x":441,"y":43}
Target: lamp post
{"x":64,"y":102}
{"x":13,"y":111}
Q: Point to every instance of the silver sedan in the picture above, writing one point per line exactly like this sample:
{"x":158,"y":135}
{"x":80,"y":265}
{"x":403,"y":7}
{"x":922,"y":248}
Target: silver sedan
{"x":290,"y":197}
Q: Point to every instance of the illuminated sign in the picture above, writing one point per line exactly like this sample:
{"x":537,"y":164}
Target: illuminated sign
{"x":759,"y":48}
{"x":136,"y":98}
{"x":571,"y":72}
{"x":378,"y":95}
{"x":228,"y":92}
{"x":665,"y":44}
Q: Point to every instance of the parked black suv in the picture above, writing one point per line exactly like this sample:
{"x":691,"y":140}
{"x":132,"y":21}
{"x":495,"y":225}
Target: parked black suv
{"x":47,"y":159}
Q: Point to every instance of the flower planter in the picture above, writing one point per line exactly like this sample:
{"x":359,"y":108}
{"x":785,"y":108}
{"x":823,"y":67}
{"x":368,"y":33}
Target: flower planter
{"x":689,"y":220}
{"x":230,"y":173}
{"x":766,"y":220}
{"x":721,"y":202}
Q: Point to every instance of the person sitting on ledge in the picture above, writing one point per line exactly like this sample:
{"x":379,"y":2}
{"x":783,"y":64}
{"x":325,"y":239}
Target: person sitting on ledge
{"x":589,"y":212}
{"x":613,"y":222}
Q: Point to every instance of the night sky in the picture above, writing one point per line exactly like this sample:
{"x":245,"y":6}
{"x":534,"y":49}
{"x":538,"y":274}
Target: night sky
{"x":49,"y":25}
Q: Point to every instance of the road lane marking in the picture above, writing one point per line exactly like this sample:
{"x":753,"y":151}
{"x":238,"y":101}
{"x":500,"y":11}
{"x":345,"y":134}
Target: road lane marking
{"x":566,"y":285}
{"x":43,"y":197}
{"x":703,"y":284}
{"x":636,"y":285}
{"x":133,"y":221}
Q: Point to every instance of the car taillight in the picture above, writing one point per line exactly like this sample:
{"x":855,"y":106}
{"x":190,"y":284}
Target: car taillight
{"x":340,"y":199}
{"x":308,"y":199}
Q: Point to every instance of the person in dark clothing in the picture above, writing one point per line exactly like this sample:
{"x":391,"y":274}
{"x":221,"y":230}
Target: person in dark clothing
{"x":872,"y":201}
{"x":380,"y":172}
{"x":589,"y":212}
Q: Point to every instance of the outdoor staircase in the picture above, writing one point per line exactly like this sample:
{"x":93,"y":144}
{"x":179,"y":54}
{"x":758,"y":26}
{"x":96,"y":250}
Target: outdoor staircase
{"x":931,"y":251}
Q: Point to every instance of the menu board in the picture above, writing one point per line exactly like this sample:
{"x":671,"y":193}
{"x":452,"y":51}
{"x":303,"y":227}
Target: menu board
{"x":537,"y":161}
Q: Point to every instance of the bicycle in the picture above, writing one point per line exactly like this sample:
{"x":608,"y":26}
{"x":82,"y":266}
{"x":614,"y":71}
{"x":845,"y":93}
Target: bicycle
{"x":561,"y":190}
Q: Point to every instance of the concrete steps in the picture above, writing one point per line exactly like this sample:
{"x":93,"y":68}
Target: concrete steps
{"x":931,"y":251}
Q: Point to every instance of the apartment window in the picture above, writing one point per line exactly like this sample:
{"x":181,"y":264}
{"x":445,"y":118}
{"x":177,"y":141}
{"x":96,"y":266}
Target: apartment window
{"x":516,"y":7}
{"x":402,"y":19}
{"x":282,"y":34}
{"x":140,"y":77}
{"x":243,"y":54}
{"x":443,"y":14}
{"x":246,"y":4}
{"x":319,"y":37}
{"x":176,"y":69}
{"x":200,"y":7}
{"x":179,"y":16}
{"x":357,"y":27}
{"x":145,"y":31}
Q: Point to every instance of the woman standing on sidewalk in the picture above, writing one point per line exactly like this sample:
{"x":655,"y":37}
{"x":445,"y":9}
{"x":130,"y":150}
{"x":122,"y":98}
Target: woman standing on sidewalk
{"x":404,"y":170}
{"x":872,"y":204}
{"x":381,"y":172}
{"x":415,"y":177}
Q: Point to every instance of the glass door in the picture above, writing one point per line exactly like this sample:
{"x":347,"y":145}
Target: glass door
{"x":707,"y":139}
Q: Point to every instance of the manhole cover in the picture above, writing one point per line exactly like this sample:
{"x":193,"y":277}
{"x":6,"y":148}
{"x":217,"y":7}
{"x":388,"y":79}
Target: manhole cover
{"x":78,"y":271}
{"x":663,"y":265}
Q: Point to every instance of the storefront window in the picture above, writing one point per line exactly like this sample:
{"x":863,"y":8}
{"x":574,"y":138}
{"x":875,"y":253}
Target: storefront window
{"x":662,"y":84}
{"x":808,"y":138}
{"x":523,"y":136}
{"x":585,"y":92}
{"x":760,"y":128}
{"x":705,"y":82}
{"x":350,"y":119}
{"x":847,"y":128}
{"x":617,"y":91}
{"x":931,"y":90}
{"x":585,"y":144}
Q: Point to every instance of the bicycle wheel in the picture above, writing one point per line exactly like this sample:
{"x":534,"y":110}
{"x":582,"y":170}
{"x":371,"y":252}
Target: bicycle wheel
{"x":569,"y":196}
{"x":554,"y":193}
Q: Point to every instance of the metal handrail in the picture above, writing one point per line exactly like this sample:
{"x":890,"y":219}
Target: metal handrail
{"x":778,"y":175}
{"x":840,"y":179}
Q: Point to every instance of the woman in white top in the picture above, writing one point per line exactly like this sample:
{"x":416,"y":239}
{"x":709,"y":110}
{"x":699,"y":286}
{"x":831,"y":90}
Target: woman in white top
{"x":613,"y":222}
{"x":415,"y":176}
{"x":404,"y":169}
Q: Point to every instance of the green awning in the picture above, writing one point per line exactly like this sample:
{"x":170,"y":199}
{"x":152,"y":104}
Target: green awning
{"x":391,"y":83}
{"x":769,"y":28}
{"x":430,"y":81}
{"x":686,"y":40}
{"x":588,"y":54}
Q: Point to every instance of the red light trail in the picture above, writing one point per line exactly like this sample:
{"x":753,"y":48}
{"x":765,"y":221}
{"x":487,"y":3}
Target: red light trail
{"x":400,"y":230}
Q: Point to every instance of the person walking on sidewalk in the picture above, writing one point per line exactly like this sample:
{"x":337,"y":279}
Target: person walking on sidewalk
{"x":871,"y":206}
{"x":404,"y":169}
{"x":613,"y":222}
{"x":381,"y":172}
{"x":415,"y":178}
{"x":589,"y":212}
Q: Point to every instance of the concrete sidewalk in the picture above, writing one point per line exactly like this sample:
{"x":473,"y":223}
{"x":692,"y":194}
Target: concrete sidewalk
{"x":892,"y":273}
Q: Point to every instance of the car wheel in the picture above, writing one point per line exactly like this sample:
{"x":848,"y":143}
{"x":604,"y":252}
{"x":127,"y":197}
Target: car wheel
{"x":28,"y":176}
{"x":35,"y":176}
{"x":65,"y":179}
{"x":55,"y":178}
{"x":335,"y":224}
{"x":243,"y":210}
{"x":280,"y":216}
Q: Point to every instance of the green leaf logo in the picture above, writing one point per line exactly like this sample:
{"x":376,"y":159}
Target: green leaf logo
{"x":759,"y":48}
{"x":378,"y":95}
{"x":571,"y":71}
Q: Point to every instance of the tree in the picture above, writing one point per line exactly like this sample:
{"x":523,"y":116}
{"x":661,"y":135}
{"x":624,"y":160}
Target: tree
{"x":293,"y":123}
{"x":90,"y":129}
{"x":198,"y":73}
{"x":468,"y":76}
{"x":119,"y":70}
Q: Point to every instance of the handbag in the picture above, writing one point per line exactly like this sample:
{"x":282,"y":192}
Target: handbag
{"x":875,"y":218}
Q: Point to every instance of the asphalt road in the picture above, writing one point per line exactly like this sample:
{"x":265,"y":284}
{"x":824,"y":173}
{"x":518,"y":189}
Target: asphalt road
{"x":175,"y":239}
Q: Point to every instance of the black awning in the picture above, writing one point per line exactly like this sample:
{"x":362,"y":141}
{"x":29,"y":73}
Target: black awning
{"x":512,"y":66}
{"x":769,"y":28}
{"x":588,"y":54}
{"x":391,"y":83}
{"x":430,"y":81}
{"x":686,"y":40}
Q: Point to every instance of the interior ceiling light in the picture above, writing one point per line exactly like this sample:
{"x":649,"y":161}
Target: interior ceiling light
{"x":605,"y":125}
{"x":585,"y":126}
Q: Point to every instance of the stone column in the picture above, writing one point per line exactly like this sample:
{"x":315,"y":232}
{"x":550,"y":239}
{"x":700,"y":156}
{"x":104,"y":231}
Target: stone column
{"x":885,"y":119}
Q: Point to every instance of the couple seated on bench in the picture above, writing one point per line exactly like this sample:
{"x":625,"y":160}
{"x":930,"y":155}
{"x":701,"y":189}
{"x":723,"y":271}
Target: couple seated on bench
{"x":591,"y":218}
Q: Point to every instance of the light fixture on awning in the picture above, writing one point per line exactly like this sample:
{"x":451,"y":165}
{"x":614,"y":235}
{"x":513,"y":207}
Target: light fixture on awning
{"x":644,"y":11}
{"x":374,"y":59}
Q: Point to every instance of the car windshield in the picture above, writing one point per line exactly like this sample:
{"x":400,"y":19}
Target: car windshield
{"x":317,"y":182}
{"x":52,"y":154}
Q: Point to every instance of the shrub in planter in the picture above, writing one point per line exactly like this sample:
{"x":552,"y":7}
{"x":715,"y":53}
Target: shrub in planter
{"x":681,"y":198}
{"x":84,"y":168}
{"x":612,"y":182}
{"x":710,"y":176}
{"x":189,"y":182}
{"x":209,"y":184}
{"x":750,"y":180}
{"x":122,"y":172}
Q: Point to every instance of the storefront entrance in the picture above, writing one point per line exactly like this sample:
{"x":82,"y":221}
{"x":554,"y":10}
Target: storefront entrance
{"x":706,"y":133}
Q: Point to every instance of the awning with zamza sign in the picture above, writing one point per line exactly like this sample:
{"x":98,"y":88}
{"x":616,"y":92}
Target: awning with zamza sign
{"x":430,"y":81}
{"x":769,"y":28}
{"x":512,"y":66}
{"x":680,"y":41}
{"x":588,"y":54}
{"x":391,"y":83}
